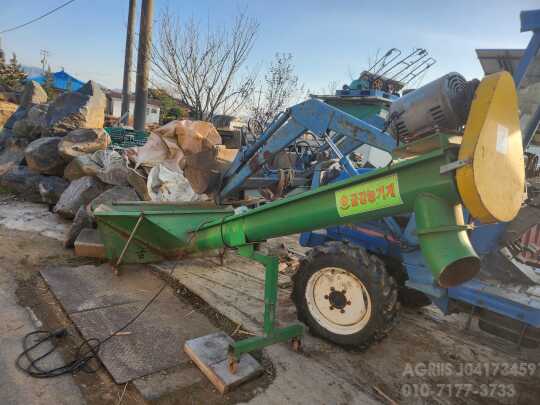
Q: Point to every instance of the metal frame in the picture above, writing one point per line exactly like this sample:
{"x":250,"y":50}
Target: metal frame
{"x":272,"y":334}
{"x":313,"y":116}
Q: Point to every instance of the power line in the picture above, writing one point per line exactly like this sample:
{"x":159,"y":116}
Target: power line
{"x":38,"y":18}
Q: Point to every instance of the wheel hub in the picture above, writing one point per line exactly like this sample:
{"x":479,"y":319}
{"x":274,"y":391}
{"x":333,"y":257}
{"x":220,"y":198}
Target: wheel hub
{"x":338,"y":300}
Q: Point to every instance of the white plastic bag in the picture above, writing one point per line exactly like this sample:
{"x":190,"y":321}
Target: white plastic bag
{"x":167,"y":185}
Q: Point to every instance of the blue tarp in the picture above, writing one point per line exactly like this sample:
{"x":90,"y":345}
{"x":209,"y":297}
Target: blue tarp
{"x":61,"y":81}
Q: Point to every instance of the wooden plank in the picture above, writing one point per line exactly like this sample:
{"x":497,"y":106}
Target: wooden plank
{"x":88,"y":244}
{"x":209,"y":353}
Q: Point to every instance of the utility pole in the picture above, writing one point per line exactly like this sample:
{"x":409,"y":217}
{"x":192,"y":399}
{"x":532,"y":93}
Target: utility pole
{"x":44,"y":55}
{"x":128,"y":61}
{"x":2,"y":54}
{"x":143,"y":64}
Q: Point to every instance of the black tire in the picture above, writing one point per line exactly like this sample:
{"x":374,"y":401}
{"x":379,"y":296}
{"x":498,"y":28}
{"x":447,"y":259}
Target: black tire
{"x":381,"y":287}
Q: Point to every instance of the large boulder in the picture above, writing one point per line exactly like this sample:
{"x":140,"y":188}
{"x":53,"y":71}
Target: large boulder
{"x":42,"y":156}
{"x":51,"y":188}
{"x":33,"y":94}
{"x":137,"y":180}
{"x":23,"y":181}
{"x":82,"y":141}
{"x":113,"y":167}
{"x":5,"y":135}
{"x":33,"y":124}
{"x":19,"y":114}
{"x":81,"y":166}
{"x":107,"y":165}
{"x":11,"y":150}
{"x":79,"y":193}
{"x":84,"y":108}
{"x":6,"y":110}
{"x":85,"y":218}
{"x":114,"y":194}
{"x":81,"y":221}
{"x":10,"y":157}
{"x":8,"y":139}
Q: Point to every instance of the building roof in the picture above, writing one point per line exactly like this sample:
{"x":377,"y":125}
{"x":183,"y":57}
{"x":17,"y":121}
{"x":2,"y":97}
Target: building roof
{"x":61,"y":81}
{"x":117,"y":95}
{"x":223,"y":120}
{"x":495,"y":60}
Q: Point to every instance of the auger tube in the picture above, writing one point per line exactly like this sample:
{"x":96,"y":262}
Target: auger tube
{"x":397,"y":189}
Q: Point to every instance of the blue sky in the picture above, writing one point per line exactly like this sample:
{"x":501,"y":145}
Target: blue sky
{"x":328,"y":39}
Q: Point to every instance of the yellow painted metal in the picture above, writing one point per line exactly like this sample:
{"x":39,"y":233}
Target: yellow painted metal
{"x":492,"y":185}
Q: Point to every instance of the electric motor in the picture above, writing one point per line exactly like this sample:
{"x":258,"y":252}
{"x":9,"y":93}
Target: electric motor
{"x":442,"y":104}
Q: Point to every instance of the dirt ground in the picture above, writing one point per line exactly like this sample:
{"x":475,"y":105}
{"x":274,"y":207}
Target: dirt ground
{"x":427,"y":358}
{"x":26,"y":253}
{"x":397,"y":369}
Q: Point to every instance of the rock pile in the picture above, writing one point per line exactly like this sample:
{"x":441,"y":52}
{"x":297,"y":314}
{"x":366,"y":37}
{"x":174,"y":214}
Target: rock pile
{"x":7,"y":108}
{"x":58,"y":153}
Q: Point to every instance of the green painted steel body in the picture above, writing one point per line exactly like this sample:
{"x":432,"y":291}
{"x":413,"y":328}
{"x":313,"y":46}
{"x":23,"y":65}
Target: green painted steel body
{"x":142,"y":232}
{"x":164,"y":232}
{"x":443,"y":239}
{"x":171,"y":231}
{"x":317,"y":209}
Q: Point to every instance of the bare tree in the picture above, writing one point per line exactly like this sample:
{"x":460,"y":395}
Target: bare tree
{"x":203,"y":67}
{"x":277,"y":91}
{"x":331,"y":87}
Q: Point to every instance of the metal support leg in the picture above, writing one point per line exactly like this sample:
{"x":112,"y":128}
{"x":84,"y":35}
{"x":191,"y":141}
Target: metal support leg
{"x":272,"y":334}
{"x":469,"y":319}
{"x":116,"y":266}
{"x":270,"y":291}
{"x":522,"y":335}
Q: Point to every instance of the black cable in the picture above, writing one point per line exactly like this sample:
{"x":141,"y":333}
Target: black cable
{"x":87,"y":350}
{"x":48,"y":13}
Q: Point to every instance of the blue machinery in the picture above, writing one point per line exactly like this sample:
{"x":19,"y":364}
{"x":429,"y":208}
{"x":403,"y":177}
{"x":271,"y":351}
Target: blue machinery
{"x":337,"y":130}
{"x":388,"y":239}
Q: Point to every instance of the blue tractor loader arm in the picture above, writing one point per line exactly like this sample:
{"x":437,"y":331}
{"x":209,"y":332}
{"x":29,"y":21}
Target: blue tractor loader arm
{"x":314,"y":116}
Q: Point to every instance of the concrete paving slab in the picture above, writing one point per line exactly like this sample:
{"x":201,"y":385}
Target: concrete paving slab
{"x":155,"y":340}
{"x":99,"y":303}
{"x":209,"y":353}
{"x":89,"y":287}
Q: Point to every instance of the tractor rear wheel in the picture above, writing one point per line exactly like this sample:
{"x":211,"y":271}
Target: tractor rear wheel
{"x":345,"y":295}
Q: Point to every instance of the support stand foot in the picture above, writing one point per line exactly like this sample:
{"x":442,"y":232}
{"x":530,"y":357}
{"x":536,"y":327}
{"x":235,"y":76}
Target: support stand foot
{"x":210,"y":354}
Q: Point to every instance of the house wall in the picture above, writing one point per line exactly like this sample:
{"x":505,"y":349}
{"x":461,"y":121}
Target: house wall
{"x":237,"y":124}
{"x":115,"y":109}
